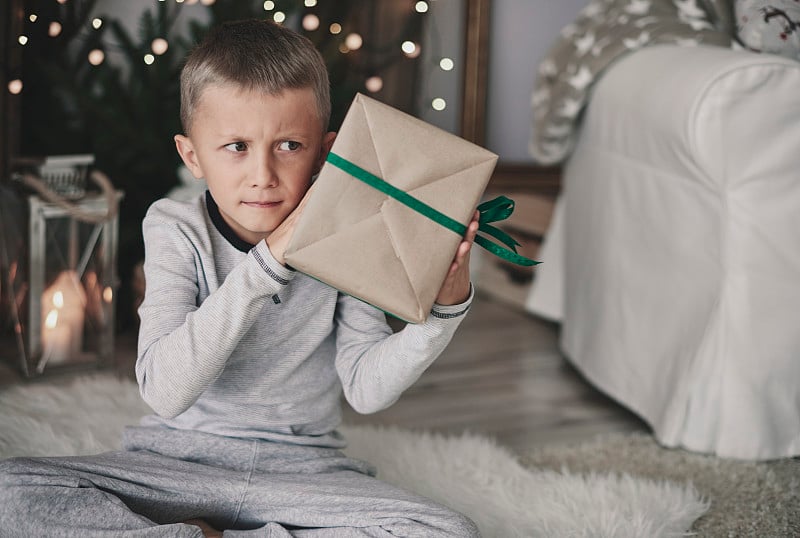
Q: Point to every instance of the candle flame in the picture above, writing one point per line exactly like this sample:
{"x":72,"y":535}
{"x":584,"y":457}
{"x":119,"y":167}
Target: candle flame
{"x":51,"y":320}
{"x":108,"y":294}
{"x":58,"y":299}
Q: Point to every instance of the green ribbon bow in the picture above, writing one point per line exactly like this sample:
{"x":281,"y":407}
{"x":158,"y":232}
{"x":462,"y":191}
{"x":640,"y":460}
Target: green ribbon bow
{"x":495,"y":210}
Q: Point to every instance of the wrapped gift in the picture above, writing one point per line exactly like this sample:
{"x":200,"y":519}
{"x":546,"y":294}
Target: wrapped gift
{"x":389,"y":209}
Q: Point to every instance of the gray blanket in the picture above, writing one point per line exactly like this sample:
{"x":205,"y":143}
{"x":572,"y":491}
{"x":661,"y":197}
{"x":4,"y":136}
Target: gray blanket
{"x":603,"y":31}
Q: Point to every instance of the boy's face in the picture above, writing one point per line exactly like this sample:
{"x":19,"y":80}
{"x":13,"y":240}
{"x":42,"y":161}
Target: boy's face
{"x":257,"y":153}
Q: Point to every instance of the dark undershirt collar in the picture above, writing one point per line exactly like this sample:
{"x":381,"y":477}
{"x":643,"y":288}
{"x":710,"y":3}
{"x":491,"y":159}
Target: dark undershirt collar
{"x":222,"y":226}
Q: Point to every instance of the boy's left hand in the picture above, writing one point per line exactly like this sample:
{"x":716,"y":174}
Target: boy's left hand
{"x":278,"y":239}
{"x":455,"y":289}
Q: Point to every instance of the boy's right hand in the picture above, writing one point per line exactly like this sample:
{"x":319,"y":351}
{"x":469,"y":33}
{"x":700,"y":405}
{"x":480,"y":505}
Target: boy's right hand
{"x":278,"y":239}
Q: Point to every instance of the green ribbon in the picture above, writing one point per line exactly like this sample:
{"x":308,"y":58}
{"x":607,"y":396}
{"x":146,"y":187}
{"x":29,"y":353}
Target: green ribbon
{"x":495,"y":210}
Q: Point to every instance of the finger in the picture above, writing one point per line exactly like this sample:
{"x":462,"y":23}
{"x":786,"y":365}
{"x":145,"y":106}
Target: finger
{"x":472,"y":228}
{"x":472,"y":231}
{"x":453,"y":269}
{"x":462,"y":255}
{"x":464,"y":248}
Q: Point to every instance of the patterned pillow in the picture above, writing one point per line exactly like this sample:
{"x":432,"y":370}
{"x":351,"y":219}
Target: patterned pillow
{"x":769,"y":26}
{"x":603,"y":31}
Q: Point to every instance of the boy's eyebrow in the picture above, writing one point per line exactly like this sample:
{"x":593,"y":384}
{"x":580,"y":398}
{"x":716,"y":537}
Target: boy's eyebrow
{"x":233,"y":135}
{"x":287,"y":135}
{"x":230,"y":133}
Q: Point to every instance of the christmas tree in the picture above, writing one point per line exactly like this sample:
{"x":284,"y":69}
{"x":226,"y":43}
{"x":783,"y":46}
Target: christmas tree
{"x":75,"y":99}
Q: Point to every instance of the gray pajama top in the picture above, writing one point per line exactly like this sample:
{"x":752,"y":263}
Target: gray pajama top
{"x":233,"y":343}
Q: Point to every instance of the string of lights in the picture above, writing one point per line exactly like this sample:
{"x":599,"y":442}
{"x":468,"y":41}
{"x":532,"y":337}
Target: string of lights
{"x":279,"y":11}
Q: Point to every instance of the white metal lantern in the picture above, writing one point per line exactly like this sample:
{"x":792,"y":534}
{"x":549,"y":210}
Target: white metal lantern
{"x":60,"y":286}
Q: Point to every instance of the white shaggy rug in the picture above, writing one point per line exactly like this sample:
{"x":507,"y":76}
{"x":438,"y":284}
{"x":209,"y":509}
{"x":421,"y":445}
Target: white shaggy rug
{"x":469,"y":473}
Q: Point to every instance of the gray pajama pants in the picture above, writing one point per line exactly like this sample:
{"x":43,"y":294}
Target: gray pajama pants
{"x":254,"y":488}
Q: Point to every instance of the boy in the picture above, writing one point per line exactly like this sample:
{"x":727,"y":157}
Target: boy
{"x":242,"y":359}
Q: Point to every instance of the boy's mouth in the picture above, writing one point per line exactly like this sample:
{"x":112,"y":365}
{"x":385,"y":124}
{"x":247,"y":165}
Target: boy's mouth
{"x":261,"y":204}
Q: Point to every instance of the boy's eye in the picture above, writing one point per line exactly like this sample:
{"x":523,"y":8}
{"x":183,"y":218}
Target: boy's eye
{"x":289,"y":145}
{"x":237,"y":147}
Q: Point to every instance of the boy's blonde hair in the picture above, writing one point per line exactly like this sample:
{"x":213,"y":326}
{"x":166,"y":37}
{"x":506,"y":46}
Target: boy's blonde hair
{"x":255,"y":55}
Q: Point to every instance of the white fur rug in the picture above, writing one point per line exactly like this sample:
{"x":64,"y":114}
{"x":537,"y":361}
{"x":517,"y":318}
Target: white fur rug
{"x":469,"y":473}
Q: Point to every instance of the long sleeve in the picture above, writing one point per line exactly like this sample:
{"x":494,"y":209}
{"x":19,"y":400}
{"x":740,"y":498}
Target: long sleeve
{"x":233,"y":343}
{"x":375,"y":366}
{"x":184,"y":345}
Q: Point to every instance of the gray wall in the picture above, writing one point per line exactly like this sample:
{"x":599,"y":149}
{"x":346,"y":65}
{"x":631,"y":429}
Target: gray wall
{"x":522,"y":32}
{"x":444,"y":37}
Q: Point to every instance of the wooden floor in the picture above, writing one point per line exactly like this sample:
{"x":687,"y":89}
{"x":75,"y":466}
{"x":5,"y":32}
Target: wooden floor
{"x":501,"y":376}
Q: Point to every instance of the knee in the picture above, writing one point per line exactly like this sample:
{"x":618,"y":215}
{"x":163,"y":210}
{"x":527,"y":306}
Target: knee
{"x":21,"y":483}
{"x":463,"y":527}
{"x":27,"y":472}
{"x":10,"y":472}
{"x":12,"y":468}
{"x":448,"y":522}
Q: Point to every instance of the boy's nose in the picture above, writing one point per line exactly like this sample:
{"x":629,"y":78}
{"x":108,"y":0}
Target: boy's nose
{"x":265,"y":174}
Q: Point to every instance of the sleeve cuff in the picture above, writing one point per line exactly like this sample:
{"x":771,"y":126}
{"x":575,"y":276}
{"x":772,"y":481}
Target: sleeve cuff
{"x":453,"y":311}
{"x":279,"y":273}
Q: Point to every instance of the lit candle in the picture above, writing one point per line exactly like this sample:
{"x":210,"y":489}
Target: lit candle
{"x":63,"y":305}
{"x":56,"y":339}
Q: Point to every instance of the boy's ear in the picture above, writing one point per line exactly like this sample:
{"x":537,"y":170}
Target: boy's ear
{"x":327,"y":144}
{"x":188,"y":155}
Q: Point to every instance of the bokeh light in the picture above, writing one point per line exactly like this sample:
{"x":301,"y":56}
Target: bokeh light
{"x":374,"y":84}
{"x":159,"y":46}
{"x":15,"y":86}
{"x":96,"y":56}
{"x":353,"y":41}
{"x":310,"y":22}
{"x":411,"y":49}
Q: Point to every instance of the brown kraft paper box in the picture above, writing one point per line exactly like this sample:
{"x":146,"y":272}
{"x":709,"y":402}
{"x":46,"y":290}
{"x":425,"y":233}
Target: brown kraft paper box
{"x":368,"y":244}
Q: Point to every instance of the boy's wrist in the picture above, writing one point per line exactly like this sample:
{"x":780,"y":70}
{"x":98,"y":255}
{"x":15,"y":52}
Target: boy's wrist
{"x":454,"y":310}
{"x":277,"y":271}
